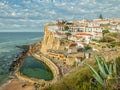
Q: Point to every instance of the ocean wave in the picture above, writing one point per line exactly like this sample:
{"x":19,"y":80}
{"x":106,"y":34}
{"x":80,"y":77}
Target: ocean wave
{"x":37,"y":38}
{"x":19,"y":42}
{"x":6,"y":50}
{"x":12,"y":42}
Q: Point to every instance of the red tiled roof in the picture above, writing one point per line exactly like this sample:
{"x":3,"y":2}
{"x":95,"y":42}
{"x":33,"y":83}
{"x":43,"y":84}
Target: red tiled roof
{"x":73,"y":45}
{"x":63,"y":25}
{"x":99,"y":21}
{"x":70,"y":36}
{"x":95,"y":27}
{"x":71,"y":42}
{"x":78,"y":37}
{"x":84,"y":34}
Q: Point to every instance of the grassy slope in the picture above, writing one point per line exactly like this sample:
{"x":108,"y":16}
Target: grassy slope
{"x":78,"y":80}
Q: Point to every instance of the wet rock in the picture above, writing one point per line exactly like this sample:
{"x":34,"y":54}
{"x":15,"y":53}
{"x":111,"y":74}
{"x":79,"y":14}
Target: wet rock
{"x":24,"y":47}
{"x":17,"y":60}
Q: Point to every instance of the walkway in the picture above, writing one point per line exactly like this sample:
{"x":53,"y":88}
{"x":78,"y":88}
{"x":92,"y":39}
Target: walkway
{"x":50,"y":64}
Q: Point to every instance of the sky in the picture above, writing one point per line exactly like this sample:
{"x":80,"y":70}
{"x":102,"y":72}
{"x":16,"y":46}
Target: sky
{"x":31,"y":15}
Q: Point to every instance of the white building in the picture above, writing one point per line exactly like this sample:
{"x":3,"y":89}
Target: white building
{"x":53,"y":28}
{"x":59,"y":35}
{"x":92,"y":24}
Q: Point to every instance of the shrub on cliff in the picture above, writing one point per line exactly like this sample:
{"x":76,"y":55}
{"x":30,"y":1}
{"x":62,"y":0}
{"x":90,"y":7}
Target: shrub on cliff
{"x":82,"y":79}
{"x":68,"y":34}
{"x":107,"y":76}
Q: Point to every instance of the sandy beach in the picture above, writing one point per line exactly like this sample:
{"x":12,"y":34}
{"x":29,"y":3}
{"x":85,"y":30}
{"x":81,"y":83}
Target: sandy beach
{"x":15,"y":84}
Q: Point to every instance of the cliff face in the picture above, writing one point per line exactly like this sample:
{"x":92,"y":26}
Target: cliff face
{"x":49,"y":41}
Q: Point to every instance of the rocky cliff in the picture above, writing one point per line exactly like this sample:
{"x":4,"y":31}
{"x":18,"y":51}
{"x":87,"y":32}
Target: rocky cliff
{"x":49,"y":41}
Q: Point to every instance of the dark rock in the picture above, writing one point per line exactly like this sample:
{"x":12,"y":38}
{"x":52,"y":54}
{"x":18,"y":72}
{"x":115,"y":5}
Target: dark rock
{"x":24,"y":47}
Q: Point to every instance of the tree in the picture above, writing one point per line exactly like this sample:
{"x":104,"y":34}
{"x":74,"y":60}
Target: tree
{"x":104,"y":32}
{"x":100,"y":17}
{"x":68,"y":34}
{"x":66,"y":28}
{"x":88,"y":48}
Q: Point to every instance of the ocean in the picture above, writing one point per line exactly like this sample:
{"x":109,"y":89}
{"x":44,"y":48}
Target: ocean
{"x":8,"y":49}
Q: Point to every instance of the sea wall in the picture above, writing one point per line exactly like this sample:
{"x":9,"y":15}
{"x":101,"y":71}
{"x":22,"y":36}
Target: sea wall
{"x":42,"y":82}
{"x":50,"y":64}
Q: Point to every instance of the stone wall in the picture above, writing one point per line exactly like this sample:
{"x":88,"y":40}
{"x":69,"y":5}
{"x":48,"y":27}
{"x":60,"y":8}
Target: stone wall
{"x":49,"y":63}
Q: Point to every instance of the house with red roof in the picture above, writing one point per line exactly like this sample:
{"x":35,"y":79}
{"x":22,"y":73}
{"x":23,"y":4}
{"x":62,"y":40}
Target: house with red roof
{"x":59,"y":35}
{"x":75,"y":38}
{"x":101,"y":21}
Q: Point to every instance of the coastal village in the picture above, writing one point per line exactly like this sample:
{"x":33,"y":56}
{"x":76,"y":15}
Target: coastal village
{"x":67,"y":44}
{"x":79,"y":35}
{"x":59,"y":44}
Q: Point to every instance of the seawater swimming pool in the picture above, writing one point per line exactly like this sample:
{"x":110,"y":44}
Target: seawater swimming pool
{"x":36,"y":69}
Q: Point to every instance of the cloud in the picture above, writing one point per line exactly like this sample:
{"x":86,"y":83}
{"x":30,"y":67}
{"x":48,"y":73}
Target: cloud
{"x":33,"y":14}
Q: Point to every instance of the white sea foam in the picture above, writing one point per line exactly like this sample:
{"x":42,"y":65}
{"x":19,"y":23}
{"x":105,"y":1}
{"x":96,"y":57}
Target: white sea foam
{"x":37,"y":38}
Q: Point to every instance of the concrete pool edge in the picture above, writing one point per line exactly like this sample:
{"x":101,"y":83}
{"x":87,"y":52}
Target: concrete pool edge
{"x":49,"y":63}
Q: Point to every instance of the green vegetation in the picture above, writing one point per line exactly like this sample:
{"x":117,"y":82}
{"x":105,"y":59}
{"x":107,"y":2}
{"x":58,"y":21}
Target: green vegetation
{"x":107,"y":39}
{"x":100,"y":16}
{"x":74,"y":64}
{"x":66,"y":28}
{"x":101,"y":40}
{"x":113,"y":35}
{"x":88,"y":48}
{"x":82,"y":79}
{"x":78,"y":80}
{"x":107,"y":75}
{"x":63,"y":22}
{"x":112,"y":44}
{"x":68,"y":23}
{"x":112,"y":39}
{"x":106,"y":71}
{"x":62,"y":42}
{"x":118,"y":43}
{"x":104,"y":32}
{"x":118,"y":64}
{"x":68,"y":34}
